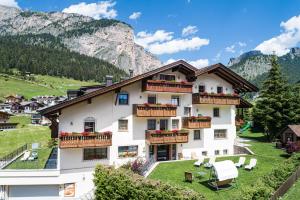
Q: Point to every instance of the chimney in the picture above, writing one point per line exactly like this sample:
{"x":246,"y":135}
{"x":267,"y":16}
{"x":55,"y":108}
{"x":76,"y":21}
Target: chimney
{"x":130,"y":73}
{"x":108,"y":80}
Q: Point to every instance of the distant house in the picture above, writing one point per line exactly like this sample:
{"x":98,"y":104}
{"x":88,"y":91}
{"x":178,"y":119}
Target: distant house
{"x":4,"y":124}
{"x":14,"y":99}
{"x":16,"y":107}
{"x":5,"y":107}
{"x":4,"y":117}
{"x":30,"y":106}
{"x":39,"y":119}
{"x":291,"y":134}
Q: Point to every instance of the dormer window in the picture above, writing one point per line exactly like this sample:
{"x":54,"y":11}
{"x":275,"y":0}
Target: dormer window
{"x":201,"y":88}
{"x":219,"y":89}
{"x":89,"y":124}
{"x":167,"y":77}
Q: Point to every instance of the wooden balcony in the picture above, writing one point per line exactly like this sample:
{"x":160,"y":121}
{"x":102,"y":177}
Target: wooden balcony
{"x":76,"y":140}
{"x":216,"y":99}
{"x":167,"y":137}
{"x":154,"y":110}
{"x":196,"y":122}
{"x":167,"y":86}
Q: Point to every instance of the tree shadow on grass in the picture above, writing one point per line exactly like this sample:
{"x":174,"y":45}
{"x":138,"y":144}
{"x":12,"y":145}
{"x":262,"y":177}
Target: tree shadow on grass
{"x":285,"y":155}
{"x":262,"y":138}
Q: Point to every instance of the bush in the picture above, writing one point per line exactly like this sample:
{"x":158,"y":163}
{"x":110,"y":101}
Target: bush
{"x":124,"y":184}
{"x":136,"y":166}
{"x":269,"y":183}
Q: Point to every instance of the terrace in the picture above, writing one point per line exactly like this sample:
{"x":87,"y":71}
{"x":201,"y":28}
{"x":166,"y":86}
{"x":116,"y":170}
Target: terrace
{"x":196,"y":122}
{"x":80,"y":140}
{"x":167,"y":86}
{"x":154,"y":110}
{"x":218,"y":99}
{"x":167,"y":137}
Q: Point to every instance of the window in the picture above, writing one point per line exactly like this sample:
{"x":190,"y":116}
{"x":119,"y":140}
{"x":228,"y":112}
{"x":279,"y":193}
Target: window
{"x":151,"y":124}
{"x":197,"y":135}
{"x":89,"y":125}
{"x":123,"y":124}
{"x":167,"y":77}
{"x":216,"y":112}
{"x":220,"y":133}
{"x":187,"y":111}
{"x":94,"y":153}
{"x":201,"y":88}
{"x":217,"y":152}
{"x":152,"y":99}
{"x":175,"y":100}
{"x":127,"y":151}
{"x":123,"y":99}
{"x":219,"y":89}
{"x":204,"y":153}
{"x":163,"y":124}
{"x":225,"y":152}
{"x":175,"y":124}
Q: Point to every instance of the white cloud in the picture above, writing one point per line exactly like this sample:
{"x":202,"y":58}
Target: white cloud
{"x":145,"y":39}
{"x":289,"y":37}
{"x":196,"y":63}
{"x":135,"y":15}
{"x":218,"y":56}
{"x":10,"y":3}
{"x":102,"y":9}
{"x":230,"y":49}
{"x":242,"y":44}
{"x":189,"y":30}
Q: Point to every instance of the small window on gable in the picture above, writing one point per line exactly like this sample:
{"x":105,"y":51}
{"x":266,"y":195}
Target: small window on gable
{"x":167,"y":77}
{"x":197,"y":135}
{"x":89,"y":124}
{"x":219,"y":89}
{"x":201,"y":88}
{"x":123,"y":125}
{"x":123,"y":98}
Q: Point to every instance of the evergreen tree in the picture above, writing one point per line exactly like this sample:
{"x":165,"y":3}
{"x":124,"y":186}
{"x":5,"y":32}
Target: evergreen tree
{"x":273,"y":108}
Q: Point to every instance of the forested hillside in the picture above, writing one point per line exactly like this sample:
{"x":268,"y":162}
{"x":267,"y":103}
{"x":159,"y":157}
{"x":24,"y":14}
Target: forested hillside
{"x":46,"y":55}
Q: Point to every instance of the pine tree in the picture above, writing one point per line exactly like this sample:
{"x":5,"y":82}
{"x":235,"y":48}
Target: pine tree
{"x":273,"y":108}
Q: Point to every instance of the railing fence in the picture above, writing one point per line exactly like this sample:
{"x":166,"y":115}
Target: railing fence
{"x":4,"y":161}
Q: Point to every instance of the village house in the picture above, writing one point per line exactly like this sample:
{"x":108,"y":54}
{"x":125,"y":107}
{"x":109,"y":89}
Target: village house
{"x":4,"y":124}
{"x":174,"y":112}
{"x":291,"y":134}
{"x":14,"y":99}
{"x":30,"y":107}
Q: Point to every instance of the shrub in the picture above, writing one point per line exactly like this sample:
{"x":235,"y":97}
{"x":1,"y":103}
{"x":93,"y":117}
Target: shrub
{"x":124,"y":184}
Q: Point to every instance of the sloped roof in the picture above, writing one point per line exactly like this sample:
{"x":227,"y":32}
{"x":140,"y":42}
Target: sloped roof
{"x":295,"y":129}
{"x":182,"y":66}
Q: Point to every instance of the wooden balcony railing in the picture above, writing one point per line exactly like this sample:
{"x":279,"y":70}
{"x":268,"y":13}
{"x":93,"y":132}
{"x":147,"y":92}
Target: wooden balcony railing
{"x":167,"y":137}
{"x":196,"y":122}
{"x":167,"y":86}
{"x":215,"y":99}
{"x":154,"y":110}
{"x":76,"y":140}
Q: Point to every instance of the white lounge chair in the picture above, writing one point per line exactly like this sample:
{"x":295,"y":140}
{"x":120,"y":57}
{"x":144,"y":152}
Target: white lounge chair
{"x":210,"y":163}
{"x":34,"y":155}
{"x":252,"y":164}
{"x":199,"y":162}
{"x":25,"y":156}
{"x":241,"y":162}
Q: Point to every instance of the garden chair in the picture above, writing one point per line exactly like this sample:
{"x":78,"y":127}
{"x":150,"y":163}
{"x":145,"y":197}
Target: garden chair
{"x":194,"y":156}
{"x":252,"y":164}
{"x":241,"y":162}
{"x":25,"y":156}
{"x":210,"y":163}
{"x":33,"y":156}
{"x":188,"y":176}
{"x":199,"y":162}
{"x":180,"y":156}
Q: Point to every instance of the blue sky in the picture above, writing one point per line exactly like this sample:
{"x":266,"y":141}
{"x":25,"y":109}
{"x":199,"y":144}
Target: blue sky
{"x":217,"y":29}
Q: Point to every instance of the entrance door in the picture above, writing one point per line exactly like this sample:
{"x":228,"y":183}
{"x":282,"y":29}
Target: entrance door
{"x":163,"y":152}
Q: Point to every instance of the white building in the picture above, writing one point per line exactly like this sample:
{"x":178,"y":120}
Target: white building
{"x":174,"y":112}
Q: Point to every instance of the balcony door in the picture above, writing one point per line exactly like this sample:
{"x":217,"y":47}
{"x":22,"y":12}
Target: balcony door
{"x":163,"y":124}
{"x":163,"y":152}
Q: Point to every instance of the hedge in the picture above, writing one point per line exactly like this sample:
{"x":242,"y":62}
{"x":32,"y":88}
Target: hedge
{"x":266,"y":185}
{"x":124,"y":184}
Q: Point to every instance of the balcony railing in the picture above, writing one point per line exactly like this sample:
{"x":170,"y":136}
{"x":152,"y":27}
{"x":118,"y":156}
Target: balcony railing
{"x":167,"y":86}
{"x":154,"y":110}
{"x":220,"y":99}
{"x":77,"y":140}
{"x":167,"y":137}
{"x":196,"y":122}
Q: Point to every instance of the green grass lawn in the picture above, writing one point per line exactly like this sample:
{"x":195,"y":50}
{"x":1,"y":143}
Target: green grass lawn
{"x":267,"y":156}
{"x":293,"y":193}
{"x":25,"y":133}
{"x":43,"y":85}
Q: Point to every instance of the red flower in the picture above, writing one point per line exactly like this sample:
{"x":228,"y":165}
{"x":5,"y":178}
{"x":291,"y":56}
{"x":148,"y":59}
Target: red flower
{"x":63,"y":134}
{"x":175,"y":131}
{"x":107,"y":133}
{"x":158,"y":131}
{"x":85,"y":133}
{"x":235,"y":94}
{"x":193,"y":117}
{"x":222,"y":94}
{"x":146,"y":104}
{"x":183,"y":82}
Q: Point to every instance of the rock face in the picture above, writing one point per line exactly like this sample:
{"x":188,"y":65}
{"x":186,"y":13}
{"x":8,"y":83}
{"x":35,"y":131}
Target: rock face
{"x":254,"y":65}
{"x":110,"y":40}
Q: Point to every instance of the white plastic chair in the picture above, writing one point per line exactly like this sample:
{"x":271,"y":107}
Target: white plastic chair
{"x":210,"y":163}
{"x":241,"y":162}
{"x":25,"y":156}
{"x":199,"y":162}
{"x":252,"y":164}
